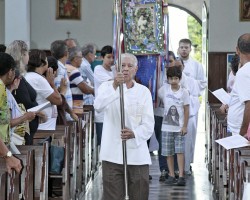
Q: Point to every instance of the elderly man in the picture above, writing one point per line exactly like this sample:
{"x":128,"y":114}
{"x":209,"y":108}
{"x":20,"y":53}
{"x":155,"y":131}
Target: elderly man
{"x":139,"y":123}
{"x":88,"y":53}
{"x":59,"y":50}
{"x":238,"y":114}
{"x":7,"y":74}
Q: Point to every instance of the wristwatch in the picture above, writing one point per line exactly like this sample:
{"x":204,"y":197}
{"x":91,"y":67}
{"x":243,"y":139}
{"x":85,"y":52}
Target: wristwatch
{"x":8,"y":155}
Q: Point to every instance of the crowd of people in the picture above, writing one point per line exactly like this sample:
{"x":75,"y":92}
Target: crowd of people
{"x":65,"y":79}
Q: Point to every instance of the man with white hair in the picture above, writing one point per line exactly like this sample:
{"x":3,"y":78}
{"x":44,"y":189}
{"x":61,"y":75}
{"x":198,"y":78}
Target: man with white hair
{"x":139,"y":123}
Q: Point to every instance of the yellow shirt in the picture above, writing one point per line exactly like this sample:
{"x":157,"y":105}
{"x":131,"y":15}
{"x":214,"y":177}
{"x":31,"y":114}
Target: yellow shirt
{"x":4,"y":114}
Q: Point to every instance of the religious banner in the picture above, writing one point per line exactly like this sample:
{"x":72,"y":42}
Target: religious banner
{"x":143,"y":29}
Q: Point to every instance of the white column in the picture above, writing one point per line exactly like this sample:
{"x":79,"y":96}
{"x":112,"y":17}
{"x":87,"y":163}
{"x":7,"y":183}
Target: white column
{"x":17,"y":21}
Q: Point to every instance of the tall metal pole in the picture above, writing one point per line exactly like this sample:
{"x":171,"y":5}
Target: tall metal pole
{"x":119,"y":38}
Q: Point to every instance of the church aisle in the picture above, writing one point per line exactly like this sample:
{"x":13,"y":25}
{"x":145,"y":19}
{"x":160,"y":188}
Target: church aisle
{"x":197,"y":185}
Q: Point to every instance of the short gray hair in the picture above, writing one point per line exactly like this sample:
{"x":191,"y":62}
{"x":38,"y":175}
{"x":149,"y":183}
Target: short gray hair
{"x":129,"y":55}
{"x":88,"y":48}
{"x":73,"y":53}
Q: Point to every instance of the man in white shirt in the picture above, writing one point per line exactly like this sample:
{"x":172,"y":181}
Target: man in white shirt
{"x":194,"y":70}
{"x":238,"y":114}
{"x":59,"y":50}
{"x":88,"y":53}
{"x":139,"y":123}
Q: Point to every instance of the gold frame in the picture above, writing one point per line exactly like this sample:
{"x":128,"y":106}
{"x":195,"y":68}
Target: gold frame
{"x":72,"y":11}
{"x":244,"y":10}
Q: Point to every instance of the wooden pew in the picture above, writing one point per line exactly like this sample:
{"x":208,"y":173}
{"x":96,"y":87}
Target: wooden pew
{"x":79,"y":171}
{"x":245,"y":176}
{"x":64,"y":136}
{"x":40,"y":168}
{"x":87,"y":137}
{"x":95,"y":150}
{"x":216,"y":154}
{"x":216,"y":119}
{"x":211,"y":108}
{"x":25,"y":178}
{"x":223,"y":165}
{"x":231,"y":179}
{"x":240,"y":155}
{"x":3,"y":183}
{"x":74,"y":150}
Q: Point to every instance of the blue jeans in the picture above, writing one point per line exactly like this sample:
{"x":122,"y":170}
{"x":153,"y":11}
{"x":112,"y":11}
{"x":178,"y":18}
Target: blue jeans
{"x":98,"y":127}
{"x":162,"y":159}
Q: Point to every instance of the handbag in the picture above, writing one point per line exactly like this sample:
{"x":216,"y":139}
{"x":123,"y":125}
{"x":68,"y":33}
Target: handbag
{"x":56,"y":157}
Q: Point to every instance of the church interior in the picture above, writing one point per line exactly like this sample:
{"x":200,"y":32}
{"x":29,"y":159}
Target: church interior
{"x":216,"y":172}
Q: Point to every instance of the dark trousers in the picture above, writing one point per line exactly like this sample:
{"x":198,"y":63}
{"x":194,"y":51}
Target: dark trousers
{"x":98,"y":127}
{"x":113,"y":181}
{"x":162,"y":159}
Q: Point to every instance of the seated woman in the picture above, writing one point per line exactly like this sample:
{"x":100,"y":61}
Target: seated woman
{"x":44,"y":86}
{"x":77,"y":85}
{"x":19,"y":122}
{"x":24,"y":94}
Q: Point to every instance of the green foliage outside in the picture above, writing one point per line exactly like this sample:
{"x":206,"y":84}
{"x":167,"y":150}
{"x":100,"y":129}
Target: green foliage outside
{"x":195,"y":35}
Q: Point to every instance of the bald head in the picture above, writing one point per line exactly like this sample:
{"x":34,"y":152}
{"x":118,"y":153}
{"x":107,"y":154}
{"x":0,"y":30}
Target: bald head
{"x":244,"y":43}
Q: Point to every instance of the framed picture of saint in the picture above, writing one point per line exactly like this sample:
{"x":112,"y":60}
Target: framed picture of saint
{"x":68,"y":9}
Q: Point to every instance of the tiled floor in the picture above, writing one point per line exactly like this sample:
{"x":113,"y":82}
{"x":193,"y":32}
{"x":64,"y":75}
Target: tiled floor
{"x":197,"y":185}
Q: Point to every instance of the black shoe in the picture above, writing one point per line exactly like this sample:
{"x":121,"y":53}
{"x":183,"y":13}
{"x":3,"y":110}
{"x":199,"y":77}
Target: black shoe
{"x":181,"y":181}
{"x":164,"y":176}
{"x":171,"y":181}
{"x":176,"y":174}
{"x":150,"y":177}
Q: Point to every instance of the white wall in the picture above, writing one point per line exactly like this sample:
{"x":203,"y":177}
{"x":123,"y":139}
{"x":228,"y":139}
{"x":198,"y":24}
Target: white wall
{"x":224,"y":25}
{"x":17,"y":21}
{"x":95,"y":24}
{"x":2,"y":18}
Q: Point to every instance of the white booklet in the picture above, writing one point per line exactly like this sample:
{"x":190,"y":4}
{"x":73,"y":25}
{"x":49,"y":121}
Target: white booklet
{"x":39,"y":107}
{"x":232,"y":142}
{"x":222,"y":95}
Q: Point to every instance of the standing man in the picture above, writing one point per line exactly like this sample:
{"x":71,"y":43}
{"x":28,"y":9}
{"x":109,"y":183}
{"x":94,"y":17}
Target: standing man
{"x":193,"y":69}
{"x":59,"y":50}
{"x":88,"y":53}
{"x":7,"y":75}
{"x":238,"y":114}
{"x":139,"y":123}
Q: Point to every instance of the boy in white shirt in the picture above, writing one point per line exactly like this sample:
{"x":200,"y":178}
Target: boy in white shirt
{"x":174,"y":127}
{"x":103,"y":73}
